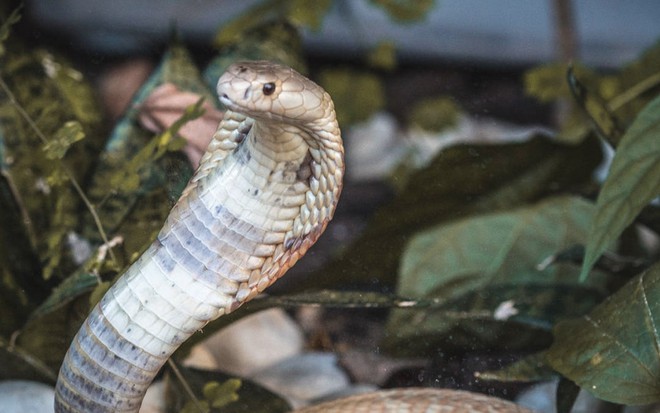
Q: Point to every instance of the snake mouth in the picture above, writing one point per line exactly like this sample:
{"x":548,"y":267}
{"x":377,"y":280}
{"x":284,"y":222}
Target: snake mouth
{"x":224,"y":99}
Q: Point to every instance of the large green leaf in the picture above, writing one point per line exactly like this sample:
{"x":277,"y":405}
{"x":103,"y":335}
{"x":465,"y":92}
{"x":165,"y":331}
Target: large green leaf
{"x":614,"y":351}
{"x":633,"y":181}
{"x":460,"y":181}
{"x":488,"y":266}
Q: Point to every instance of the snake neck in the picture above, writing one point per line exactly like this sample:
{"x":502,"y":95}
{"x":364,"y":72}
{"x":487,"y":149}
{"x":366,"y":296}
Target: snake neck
{"x":277,"y":182}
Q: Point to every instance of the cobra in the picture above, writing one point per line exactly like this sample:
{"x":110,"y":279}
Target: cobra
{"x":264,"y":192}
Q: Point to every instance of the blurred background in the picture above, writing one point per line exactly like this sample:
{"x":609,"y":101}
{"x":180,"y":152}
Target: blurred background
{"x":507,"y":32}
{"x":452,"y":112}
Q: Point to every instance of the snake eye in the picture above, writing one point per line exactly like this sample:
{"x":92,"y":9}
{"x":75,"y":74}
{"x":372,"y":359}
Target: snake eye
{"x":268,"y":88}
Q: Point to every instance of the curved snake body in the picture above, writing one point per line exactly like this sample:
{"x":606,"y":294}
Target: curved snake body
{"x":264,"y":192}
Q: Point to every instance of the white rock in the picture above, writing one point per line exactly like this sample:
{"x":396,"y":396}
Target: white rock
{"x":154,"y":399}
{"x":21,"y":396}
{"x":373,"y":147}
{"x":201,"y":357}
{"x":303,"y":378}
{"x":256,"y":342}
{"x":377,"y":146}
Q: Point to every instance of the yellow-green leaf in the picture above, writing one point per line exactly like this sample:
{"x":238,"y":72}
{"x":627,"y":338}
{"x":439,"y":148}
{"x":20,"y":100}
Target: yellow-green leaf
{"x":405,"y":11}
{"x":220,"y":395}
{"x":383,"y":56}
{"x":596,"y":108}
{"x":302,"y":13}
{"x":357,"y":95}
{"x":5,"y":29}
{"x":435,"y":114}
{"x":70,"y":133}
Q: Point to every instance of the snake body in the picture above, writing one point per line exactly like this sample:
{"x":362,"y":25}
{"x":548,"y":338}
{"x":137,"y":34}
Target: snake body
{"x":417,"y":400}
{"x":263,"y":193}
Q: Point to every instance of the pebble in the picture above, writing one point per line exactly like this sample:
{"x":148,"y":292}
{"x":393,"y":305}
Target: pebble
{"x":22,"y":396}
{"x":375,"y":147}
{"x":256,"y":342}
{"x":304,"y":378}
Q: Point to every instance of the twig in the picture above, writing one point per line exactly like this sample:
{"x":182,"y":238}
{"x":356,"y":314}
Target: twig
{"x":186,"y":386}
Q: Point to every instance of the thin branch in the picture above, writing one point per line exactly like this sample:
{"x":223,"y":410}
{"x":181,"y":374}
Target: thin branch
{"x":186,"y":386}
{"x":565,"y":30}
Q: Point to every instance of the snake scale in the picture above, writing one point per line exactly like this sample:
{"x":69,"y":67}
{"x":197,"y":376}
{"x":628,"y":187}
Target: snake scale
{"x":264,"y":192}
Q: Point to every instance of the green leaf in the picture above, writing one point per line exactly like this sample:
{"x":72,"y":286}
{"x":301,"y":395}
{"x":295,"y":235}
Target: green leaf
{"x":357,"y":94}
{"x":5,"y":29}
{"x":383,"y":56}
{"x":406,"y":11}
{"x":612,"y":352}
{"x":221,"y":395}
{"x":490,"y":264}
{"x":435,"y":114}
{"x":68,"y":290}
{"x":300,"y":12}
{"x":596,"y":108}
{"x":232,"y":31}
{"x":460,"y":181}
{"x":275,"y":40}
{"x":547,"y":82}
{"x":127,"y":179}
{"x":70,"y":133}
{"x":76,"y":93}
{"x":528,"y":369}
{"x":633,"y":181}
{"x":137,"y":179}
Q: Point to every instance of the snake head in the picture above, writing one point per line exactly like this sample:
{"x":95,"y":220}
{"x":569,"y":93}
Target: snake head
{"x":262,"y":89}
